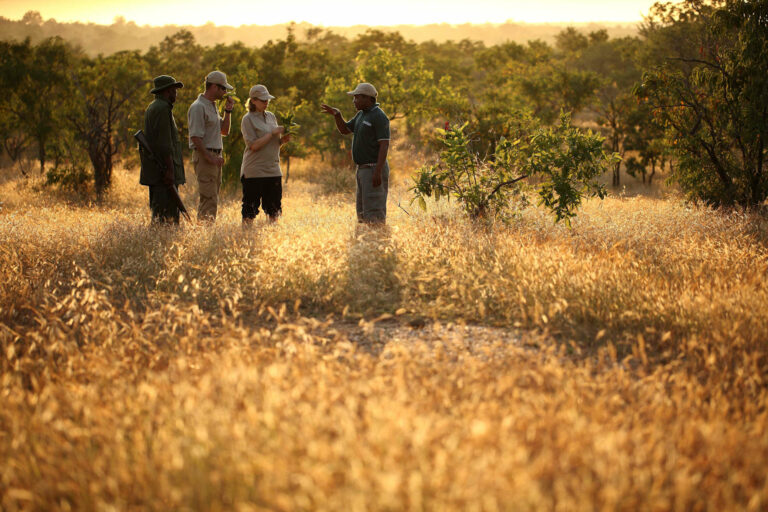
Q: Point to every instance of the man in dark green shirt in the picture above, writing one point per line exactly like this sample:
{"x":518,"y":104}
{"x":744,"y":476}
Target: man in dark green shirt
{"x":370,"y":145}
{"x":163,"y":136}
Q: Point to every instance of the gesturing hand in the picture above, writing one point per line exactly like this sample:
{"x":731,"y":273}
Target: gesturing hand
{"x":330,"y":110}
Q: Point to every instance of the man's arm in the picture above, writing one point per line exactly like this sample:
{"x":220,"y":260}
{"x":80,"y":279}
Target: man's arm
{"x":381,"y":127}
{"x":196,"y":125}
{"x":341,"y":125}
{"x":159,"y":127}
{"x":383,"y":150}
{"x":203,"y":152}
{"x":226,"y":123}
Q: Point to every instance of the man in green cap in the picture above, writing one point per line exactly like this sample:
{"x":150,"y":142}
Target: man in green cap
{"x":163,"y":136}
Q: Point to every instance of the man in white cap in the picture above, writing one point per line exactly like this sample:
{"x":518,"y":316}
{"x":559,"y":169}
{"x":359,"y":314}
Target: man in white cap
{"x":370,"y":145}
{"x":205,"y":130}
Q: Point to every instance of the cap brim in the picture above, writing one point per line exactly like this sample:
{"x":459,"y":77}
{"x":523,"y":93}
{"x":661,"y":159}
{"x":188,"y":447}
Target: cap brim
{"x":229,"y":87}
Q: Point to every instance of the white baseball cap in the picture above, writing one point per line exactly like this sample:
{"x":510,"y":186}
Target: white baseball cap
{"x":218,"y":78}
{"x":260,"y":92}
{"x":364,"y":88}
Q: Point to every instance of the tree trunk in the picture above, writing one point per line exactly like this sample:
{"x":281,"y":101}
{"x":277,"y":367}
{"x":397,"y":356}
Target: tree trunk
{"x":617,"y":167}
{"x":287,"y":168}
{"x":758,"y":193}
{"x":101,"y":159}
{"x":41,"y":155}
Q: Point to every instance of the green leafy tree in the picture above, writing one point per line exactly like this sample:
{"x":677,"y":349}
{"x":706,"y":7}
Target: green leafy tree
{"x":564,"y":160}
{"x":106,"y":96}
{"x":405,"y":88}
{"x":650,"y":149}
{"x":33,"y":78}
{"x":294,"y":148}
{"x":709,"y":93}
{"x":617,"y":110}
{"x":14,"y":143}
{"x":534,"y":78}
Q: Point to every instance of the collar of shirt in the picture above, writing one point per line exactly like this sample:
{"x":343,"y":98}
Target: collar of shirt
{"x":371,"y":108}
{"x":202,"y":97}
{"x":165,"y":100}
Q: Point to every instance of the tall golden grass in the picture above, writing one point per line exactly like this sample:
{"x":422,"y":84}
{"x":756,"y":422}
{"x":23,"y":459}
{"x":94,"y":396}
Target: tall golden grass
{"x":433,"y":365}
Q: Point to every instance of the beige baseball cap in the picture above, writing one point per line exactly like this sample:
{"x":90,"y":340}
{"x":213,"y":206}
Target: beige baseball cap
{"x":364,"y":88}
{"x":217,"y":77}
{"x":260,"y":92}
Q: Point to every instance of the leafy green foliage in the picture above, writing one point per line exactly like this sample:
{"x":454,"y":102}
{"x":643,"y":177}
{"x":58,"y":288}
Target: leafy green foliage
{"x":99,"y":112}
{"x":506,"y":92}
{"x":30,"y":77}
{"x":294,"y":147}
{"x":710,"y":98}
{"x":286,"y":119}
{"x":406,"y":88}
{"x":564,"y":160}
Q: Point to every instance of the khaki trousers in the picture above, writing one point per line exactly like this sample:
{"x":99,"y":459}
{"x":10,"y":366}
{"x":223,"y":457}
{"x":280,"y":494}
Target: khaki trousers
{"x":209,"y":183}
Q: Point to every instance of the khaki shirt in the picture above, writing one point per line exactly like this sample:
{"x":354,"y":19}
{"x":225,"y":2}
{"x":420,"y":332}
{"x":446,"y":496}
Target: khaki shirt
{"x":265,"y":162}
{"x":204,"y":122}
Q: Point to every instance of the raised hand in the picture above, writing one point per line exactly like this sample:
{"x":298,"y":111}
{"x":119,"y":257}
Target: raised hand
{"x":330,"y":110}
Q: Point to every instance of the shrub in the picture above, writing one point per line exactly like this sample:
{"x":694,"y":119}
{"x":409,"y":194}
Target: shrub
{"x":564,"y":160}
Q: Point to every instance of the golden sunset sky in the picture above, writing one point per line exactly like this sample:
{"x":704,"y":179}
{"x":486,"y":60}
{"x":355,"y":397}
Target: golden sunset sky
{"x":331,"y":12}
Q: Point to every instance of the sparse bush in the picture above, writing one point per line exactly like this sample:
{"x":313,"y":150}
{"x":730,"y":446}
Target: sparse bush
{"x":70,"y":169}
{"x":565,"y":162}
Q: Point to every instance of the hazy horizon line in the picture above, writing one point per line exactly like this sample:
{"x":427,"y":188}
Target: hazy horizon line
{"x":116,"y":21}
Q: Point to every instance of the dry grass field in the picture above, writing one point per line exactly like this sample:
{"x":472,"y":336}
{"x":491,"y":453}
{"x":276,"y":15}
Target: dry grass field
{"x":434,"y":365}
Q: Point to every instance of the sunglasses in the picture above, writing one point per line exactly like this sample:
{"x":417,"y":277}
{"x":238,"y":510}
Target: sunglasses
{"x":221,"y":87}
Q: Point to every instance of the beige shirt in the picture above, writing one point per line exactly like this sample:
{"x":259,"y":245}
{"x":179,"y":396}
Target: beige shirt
{"x":204,"y":122}
{"x":265,"y":162}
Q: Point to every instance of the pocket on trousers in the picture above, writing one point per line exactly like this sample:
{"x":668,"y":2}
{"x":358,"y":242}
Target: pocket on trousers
{"x":208,"y":186}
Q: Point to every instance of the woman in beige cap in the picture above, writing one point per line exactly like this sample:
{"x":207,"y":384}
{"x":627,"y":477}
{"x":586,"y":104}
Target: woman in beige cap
{"x":260,"y":172}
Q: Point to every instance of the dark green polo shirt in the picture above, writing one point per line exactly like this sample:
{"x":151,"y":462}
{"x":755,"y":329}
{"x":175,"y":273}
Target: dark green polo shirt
{"x":163,"y":136}
{"x":369,"y":127}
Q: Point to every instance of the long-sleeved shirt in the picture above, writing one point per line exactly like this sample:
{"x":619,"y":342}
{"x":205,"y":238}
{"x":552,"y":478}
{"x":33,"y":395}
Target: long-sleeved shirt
{"x":163,"y":136}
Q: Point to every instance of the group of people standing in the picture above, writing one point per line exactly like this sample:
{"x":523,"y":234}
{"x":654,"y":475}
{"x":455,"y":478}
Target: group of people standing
{"x":260,"y":172}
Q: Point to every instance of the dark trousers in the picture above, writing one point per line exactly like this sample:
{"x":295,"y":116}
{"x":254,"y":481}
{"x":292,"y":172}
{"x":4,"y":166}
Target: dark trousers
{"x":163,"y":206}
{"x":267,"y":192}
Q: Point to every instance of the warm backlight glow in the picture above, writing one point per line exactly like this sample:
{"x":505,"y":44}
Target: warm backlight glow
{"x":332,"y":13}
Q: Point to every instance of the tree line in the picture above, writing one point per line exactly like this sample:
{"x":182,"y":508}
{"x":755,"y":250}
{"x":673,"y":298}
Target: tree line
{"x":686,"y":94}
{"x":127,"y":35}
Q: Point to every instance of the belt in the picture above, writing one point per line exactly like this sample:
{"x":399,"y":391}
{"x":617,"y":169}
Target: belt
{"x":214,"y":150}
{"x":366,"y":165}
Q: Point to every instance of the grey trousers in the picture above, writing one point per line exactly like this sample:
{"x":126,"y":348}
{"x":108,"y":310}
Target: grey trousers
{"x":372,"y":201}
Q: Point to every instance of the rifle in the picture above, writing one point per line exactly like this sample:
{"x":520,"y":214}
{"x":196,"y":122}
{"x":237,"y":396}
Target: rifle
{"x":144,"y":146}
